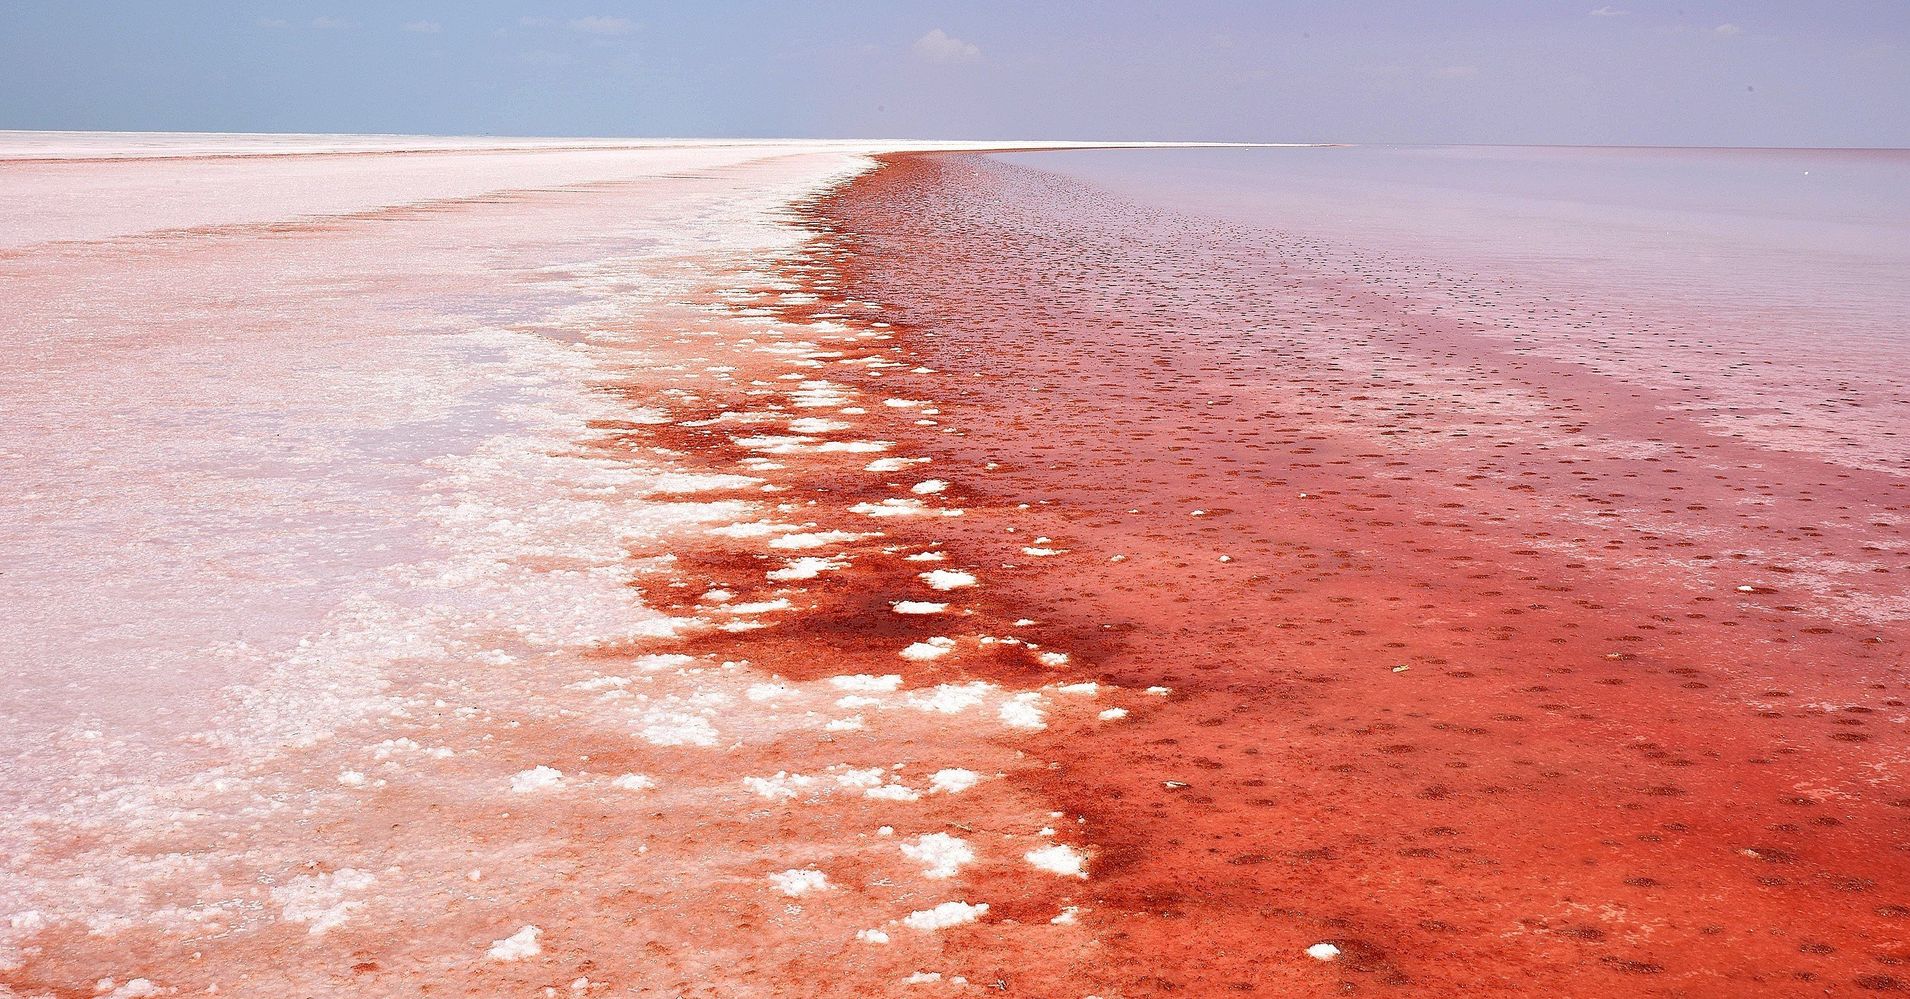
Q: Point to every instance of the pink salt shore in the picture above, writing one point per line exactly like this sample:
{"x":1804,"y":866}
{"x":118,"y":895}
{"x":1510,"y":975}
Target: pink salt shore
{"x":552,"y":567}
{"x":348,"y":538}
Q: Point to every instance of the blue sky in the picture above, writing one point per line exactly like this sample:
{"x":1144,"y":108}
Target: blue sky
{"x":1701,"y":73}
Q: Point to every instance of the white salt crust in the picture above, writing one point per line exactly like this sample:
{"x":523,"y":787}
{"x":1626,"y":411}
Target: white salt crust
{"x":517,"y":946}
{"x":799,"y":882}
{"x":535,"y":581}
{"x":947,"y":579}
{"x":538,"y":778}
{"x":941,"y":855}
{"x":945,"y":915}
{"x":1060,"y":859}
{"x":953,"y":780}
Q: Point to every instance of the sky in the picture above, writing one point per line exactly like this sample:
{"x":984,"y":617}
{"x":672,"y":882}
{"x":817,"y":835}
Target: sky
{"x":1759,"y":72}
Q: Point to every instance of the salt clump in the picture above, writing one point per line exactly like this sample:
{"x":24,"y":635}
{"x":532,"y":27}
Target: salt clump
{"x":797,"y":882}
{"x":943,"y":854}
{"x":944,"y":915}
{"x":536,"y":779}
{"x":517,"y":946}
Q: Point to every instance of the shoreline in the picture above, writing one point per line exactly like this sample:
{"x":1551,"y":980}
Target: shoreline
{"x":682,"y":595}
{"x":816,"y":579}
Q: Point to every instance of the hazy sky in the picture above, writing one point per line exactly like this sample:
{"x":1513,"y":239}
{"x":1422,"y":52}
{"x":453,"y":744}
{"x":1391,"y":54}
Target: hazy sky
{"x":1707,"y":73}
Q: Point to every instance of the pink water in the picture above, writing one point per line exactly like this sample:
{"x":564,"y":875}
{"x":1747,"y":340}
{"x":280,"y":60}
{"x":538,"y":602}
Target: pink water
{"x":1521,"y":534}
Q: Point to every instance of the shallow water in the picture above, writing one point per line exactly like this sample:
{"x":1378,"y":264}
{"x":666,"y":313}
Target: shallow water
{"x":1533,"y":612}
{"x":1790,"y":260}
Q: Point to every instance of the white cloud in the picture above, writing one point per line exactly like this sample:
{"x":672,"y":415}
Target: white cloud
{"x":1727,"y":30}
{"x":1609,"y":11}
{"x":599,"y":25}
{"x":271,"y":23}
{"x":940,"y":46}
{"x":1456,"y":72}
{"x":423,"y":27}
{"x":330,"y":23}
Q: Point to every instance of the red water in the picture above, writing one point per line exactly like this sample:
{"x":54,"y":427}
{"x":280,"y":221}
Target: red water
{"x":1505,"y":672}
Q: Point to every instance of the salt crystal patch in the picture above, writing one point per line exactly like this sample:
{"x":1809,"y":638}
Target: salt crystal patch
{"x":943,"y":855}
{"x":517,"y":946}
{"x":752,"y":529}
{"x":953,"y":780}
{"x":672,"y":728}
{"x":928,"y":487}
{"x":893,"y":507}
{"x":797,"y":881}
{"x":918,"y":607}
{"x":806,"y":567}
{"x":634,"y":782}
{"x":951,"y":698}
{"x":816,"y":539}
{"x":893,"y":464}
{"x":1023,"y":711}
{"x":759,"y":607}
{"x":696,"y":482}
{"x":927,"y":557}
{"x":320,"y":900}
{"x":779,"y":785}
{"x":1323,"y":952}
{"x":537,"y":778}
{"x":944,"y":915}
{"x":934,"y":648}
{"x":872,"y":936}
{"x":1060,"y":859}
{"x":946,"y":579}
{"x":863,"y":777}
{"x":893,"y":792}
{"x":1112,"y":714}
{"x":816,"y":425}
{"x":887,"y":683}
{"x":1066,"y":916}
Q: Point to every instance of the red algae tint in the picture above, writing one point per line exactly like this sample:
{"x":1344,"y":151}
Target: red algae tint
{"x":1530,"y":613}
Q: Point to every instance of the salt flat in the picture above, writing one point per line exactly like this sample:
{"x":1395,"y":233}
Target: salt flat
{"x":361,"y":501}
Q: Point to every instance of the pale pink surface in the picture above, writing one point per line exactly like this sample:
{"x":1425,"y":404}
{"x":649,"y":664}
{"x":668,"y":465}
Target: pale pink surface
{"x":215,"y":435}
{"x":342,"y":589}
{"x":1774,"y":278}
